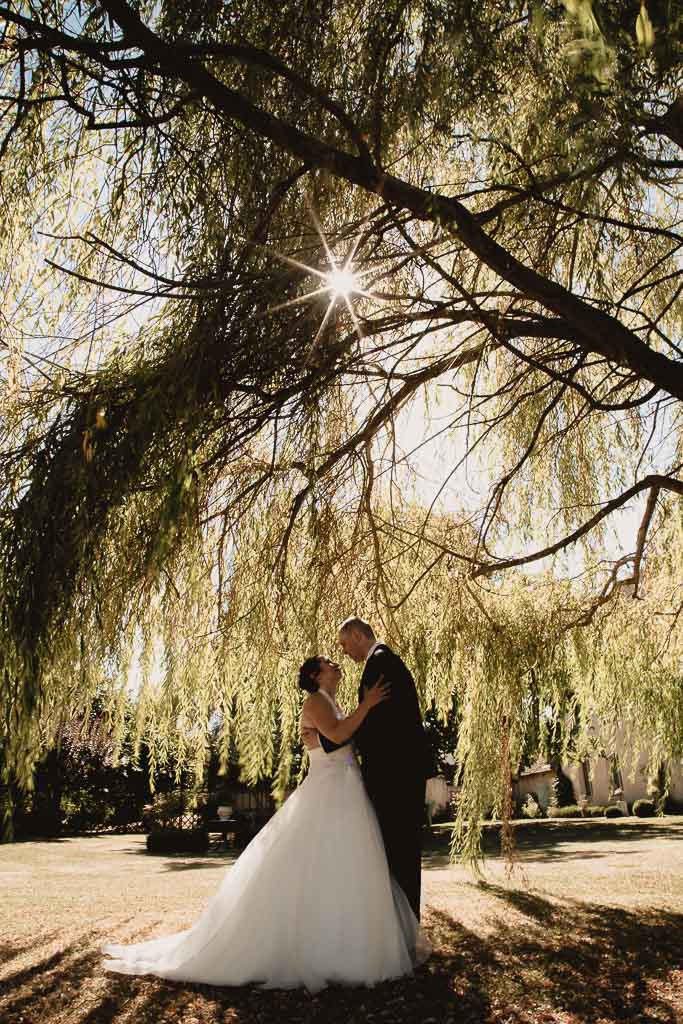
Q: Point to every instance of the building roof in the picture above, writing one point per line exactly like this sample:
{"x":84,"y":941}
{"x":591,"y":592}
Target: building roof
{"x":535,"y":769}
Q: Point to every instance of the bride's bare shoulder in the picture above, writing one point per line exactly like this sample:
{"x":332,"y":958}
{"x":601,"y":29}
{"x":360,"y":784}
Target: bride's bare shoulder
{"x":314,"y":705}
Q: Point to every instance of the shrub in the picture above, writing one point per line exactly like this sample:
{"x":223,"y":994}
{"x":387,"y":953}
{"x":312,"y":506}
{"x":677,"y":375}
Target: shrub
{"x":570,"y":811}
{"x":165,"y":808}
{"x":563,"y":790}
{"x":178,"y":840}
{"x":644,"y":808}
{"x":595,"y":811}
{"x":41,"y":822}
{"x":613,"y":811}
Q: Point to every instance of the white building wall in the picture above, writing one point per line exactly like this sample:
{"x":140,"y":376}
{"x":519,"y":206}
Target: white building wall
{"x":540,"y":783}
{"x":676,"y":790}
{"x":634,"y":778}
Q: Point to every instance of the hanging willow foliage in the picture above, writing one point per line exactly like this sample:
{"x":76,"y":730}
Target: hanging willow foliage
{"x":504,"y":653}
{"x":204,"y":460}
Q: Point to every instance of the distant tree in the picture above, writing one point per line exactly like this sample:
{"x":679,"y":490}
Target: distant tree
{"x":85,"y":779}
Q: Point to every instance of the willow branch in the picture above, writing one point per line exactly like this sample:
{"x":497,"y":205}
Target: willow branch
{"x":650,"y":506}
{"x":651,"y":481}
{"x":598,"y":331}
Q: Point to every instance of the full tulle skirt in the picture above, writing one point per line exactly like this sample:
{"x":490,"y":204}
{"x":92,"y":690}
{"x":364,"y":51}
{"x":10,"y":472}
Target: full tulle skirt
{"x":309,"y":902}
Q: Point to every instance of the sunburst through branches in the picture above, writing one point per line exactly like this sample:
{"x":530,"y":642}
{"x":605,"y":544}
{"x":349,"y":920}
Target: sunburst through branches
{"x":339,"y":279}
{"x":342,"y":282}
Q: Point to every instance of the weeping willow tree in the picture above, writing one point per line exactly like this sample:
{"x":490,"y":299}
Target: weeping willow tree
{"x":206,"y":460}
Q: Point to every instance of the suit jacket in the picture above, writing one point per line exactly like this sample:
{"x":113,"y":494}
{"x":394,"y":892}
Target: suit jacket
{"x":392,"y":741}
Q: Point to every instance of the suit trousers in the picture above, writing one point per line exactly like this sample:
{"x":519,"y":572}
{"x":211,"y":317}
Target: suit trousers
{"x":399,"y":806}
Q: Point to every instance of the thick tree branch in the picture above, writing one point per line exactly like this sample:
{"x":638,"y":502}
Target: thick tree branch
{"x":256,"y":57}
{"x":62,"y":40}
{"x":650,"y":506}
{"x":596,"y":331}
{"x":652,"y":481}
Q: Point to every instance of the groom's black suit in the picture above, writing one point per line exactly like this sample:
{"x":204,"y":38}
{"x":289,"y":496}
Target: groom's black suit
{"x":395,"y":764}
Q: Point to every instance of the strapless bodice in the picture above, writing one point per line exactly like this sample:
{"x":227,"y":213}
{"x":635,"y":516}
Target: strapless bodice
{"x":336,"y":759}
{"x":344,"y":757}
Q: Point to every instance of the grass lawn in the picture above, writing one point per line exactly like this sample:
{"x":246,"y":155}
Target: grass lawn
{"x":588,"y":930}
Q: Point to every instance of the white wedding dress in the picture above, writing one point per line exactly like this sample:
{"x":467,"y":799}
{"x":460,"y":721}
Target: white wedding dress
{"x":308,"y":902}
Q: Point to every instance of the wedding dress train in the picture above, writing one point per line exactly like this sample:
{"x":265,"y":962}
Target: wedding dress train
{"x":308,"y":902}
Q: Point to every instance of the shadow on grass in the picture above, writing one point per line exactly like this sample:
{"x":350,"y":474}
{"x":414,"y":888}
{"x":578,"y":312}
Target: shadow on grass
{"x":187,"y":861}
{"x":531,"y":905}
{"x":600,"y":964}
{"x":19,"y":840}
{"x":553,"y":841}
{"x":194,"y":865}
{"x":13,"y":952}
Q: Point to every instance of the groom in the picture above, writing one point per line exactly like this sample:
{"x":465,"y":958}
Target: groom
{"x":393,"y":749}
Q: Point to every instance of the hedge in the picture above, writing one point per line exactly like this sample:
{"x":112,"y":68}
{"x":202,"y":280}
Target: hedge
{"x":177,"y":840}
{"x":644,"y":808}
{"x":570,"y":811}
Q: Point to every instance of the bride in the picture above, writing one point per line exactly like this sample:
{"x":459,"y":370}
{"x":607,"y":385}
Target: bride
{"x":310,"y":900}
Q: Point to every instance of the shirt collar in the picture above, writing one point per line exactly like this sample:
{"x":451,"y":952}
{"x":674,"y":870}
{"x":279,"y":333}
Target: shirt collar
{"x":372,"y":650}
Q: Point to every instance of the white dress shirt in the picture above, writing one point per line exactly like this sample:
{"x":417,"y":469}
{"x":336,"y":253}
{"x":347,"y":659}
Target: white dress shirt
{"x":372,"y":650}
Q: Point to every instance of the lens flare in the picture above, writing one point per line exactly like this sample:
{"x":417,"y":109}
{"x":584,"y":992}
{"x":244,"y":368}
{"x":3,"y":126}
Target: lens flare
{"x":342,"y":281}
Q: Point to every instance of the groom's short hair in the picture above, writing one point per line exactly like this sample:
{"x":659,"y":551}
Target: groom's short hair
{"x":360,"y":624}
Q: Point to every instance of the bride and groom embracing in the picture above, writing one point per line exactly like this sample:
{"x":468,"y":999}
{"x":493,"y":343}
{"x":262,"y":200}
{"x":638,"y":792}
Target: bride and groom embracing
{"x":329,"y":890}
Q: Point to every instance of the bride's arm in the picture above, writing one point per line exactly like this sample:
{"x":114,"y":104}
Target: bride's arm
{"x":309,"y":735}
{"x":339,"y":730}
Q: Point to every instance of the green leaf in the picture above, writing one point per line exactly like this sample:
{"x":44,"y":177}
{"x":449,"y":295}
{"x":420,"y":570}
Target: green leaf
{"x":645,"y":33}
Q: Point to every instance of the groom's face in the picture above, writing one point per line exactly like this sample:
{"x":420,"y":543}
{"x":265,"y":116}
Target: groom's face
{"x":353,"y":644}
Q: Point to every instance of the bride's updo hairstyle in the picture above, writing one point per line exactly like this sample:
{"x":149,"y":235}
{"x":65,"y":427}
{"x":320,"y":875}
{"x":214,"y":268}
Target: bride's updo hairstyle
{"x":307,"y":674}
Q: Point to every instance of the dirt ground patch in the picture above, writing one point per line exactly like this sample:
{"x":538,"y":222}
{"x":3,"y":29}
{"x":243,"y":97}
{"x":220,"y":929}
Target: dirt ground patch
{"x":588,"y":930}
